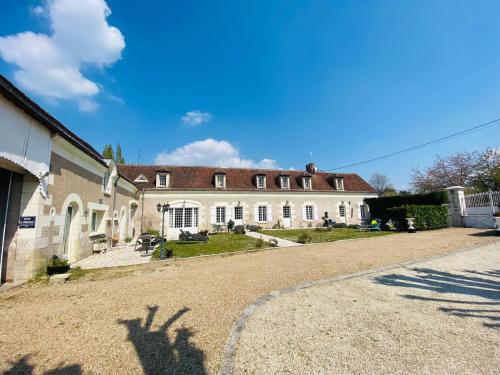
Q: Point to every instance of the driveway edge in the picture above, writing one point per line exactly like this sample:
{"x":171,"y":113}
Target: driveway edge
{"x":228,"y":361}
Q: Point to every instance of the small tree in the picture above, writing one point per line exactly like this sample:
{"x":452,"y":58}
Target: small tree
{"x":118,"y":155}
{"x":381,"y":183}
{"x":461,"y":168}
{"x":108,"y":153}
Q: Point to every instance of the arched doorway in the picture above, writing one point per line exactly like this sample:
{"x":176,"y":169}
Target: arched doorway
{"x":71,"y":230}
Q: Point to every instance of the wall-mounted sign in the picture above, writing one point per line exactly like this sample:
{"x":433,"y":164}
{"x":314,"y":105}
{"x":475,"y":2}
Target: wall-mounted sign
{"x":27,"y":221}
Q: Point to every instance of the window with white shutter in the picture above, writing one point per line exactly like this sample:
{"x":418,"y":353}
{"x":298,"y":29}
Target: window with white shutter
{"x":262,"y":218}
{"x":309,"y":213}
{"x":220,"y":215}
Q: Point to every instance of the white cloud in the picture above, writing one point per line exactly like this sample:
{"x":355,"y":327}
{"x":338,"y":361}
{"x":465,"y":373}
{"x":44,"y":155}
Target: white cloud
{"x":196,"y":118}
{"x":50,"y":65}
{"x":38,"y":10}
{"x":211,"y":152}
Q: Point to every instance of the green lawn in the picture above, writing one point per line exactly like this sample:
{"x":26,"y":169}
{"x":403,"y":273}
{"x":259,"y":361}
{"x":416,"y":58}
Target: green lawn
{"x":217,"y":243}
{"x":323,"y":235}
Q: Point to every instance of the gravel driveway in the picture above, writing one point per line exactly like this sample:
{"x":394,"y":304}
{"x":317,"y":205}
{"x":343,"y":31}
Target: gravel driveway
{"x":435,"y":317}
{"x":175,"y":317}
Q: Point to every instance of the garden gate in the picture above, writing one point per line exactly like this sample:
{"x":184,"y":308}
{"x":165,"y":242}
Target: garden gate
{"x":480,"y":207}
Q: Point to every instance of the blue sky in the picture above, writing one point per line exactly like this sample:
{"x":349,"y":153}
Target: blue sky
{"x":263,"y":83}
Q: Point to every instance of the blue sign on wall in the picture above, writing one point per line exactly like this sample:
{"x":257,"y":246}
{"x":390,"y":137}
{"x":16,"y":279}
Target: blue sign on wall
{"x":27,"y":221}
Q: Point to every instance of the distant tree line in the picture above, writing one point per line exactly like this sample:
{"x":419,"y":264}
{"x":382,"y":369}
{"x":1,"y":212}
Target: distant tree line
{"x":116,"y":155}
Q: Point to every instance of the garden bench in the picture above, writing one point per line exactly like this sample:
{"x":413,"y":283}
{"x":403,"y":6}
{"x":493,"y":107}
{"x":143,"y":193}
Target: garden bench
{"x":190,"y":237}
{"x":372,"y":224}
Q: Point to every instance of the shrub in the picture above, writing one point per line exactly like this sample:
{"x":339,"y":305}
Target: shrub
{"x":340,"y":225}
{"x":254,"y":228}
{"x":426,"y":216}
{"x":154,"y":232}
{"x":128,"y":239}
{"x":260,"y":243}
{"x":239,"y":229}
{"x":379,"y":206}
{"x":203,"y":232}
{"x":230,"y":225}
{"x":304,"y":237}
{"x":497,"y":214}
{"x":57,"y":261}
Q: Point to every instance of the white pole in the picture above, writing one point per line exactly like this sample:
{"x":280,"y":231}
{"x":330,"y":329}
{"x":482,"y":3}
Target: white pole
{"x":5,"y":225}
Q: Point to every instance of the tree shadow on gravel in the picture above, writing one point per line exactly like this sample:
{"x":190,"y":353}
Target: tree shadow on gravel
{"x":156,"y":352}
{"x":472,"y":284}
{"x":22,"y":366}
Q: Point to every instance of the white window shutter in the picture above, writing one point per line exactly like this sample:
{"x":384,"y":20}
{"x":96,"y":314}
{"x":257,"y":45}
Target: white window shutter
{"x":359,"y":211}
{"x":229,"y":214}
{"x":315,"y":213}
{"x":213,"y":217}
{"x":256,"y":213}
{"x":304,"y":216}
{"x":269,"y":213}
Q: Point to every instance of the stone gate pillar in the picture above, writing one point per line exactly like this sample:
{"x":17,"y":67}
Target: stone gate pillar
{"x":456,"y":206}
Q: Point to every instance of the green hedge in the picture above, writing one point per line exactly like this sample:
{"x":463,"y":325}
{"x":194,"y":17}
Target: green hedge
{"x":379,"y":206}
{"x":426,"y":216}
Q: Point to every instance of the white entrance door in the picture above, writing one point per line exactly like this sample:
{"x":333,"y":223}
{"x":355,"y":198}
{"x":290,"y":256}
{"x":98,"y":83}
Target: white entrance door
{"x":238,"y":215}
{"x":287,"y":217}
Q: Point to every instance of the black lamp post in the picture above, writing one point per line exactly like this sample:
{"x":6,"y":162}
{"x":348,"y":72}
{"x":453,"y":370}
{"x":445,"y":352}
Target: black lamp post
{"x":162,"y":208}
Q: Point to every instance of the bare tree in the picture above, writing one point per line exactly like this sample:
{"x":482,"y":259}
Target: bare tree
{"x":457,"y":169}
{"x":380,"y":183}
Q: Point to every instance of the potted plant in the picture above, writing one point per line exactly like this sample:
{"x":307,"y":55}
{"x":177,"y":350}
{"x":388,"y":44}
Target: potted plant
{"x":496,"y":216}
{"x":57,"y":265}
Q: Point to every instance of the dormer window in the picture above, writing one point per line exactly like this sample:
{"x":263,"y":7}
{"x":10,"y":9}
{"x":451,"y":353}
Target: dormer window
{"x":285,"y":182}
{"x":261,"y":182}
{"x":306,"y":182}
{"x":339,"y":183}
{"x":162,"y":180}
{"x":220,"y":181}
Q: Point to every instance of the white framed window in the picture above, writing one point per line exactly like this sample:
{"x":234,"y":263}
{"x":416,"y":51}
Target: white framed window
{"x":220,"y":215}
{"x":285,"y":182}
{"x":339,"y":183}
{"x":162,"y":180}
{"x":184,"y":217}
{"x":307,"y":182}
{"x":105,"y":180}
{"x":178,"y":213}
{"x":261,"y":182}
{"x":262,"y":214}
{"x":342,"y":210}
{"x":220,"y":181}
{"x":238,"y":213}
{"x":309,"y":212}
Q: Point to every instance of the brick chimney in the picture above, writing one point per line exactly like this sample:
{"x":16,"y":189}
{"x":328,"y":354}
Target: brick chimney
{"x":311,"y":168}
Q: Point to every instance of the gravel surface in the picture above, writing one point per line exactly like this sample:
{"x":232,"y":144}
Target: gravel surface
{"x":175,"y":317}
{"x":436,"y":317}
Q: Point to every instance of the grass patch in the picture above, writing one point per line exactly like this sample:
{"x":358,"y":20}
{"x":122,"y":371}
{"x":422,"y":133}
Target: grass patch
{"x":77,"y":273}
{"x":323,"y":235}
{"x":218,"y":243}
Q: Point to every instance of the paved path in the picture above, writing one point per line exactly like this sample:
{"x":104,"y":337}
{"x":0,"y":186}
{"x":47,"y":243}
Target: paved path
{"x":435,"y":317}
{"x":122,"y":256}
{"x":176,"y":316}
{"x":265,"y":237}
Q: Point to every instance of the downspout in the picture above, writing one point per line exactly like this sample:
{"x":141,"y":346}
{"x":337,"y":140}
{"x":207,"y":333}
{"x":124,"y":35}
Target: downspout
{"x":113,"y":210}
{"x":142,"y":212}
{"x":5,"y":226}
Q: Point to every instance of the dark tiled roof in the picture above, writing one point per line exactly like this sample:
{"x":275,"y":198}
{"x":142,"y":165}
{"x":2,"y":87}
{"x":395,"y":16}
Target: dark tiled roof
{"x":239,"y":179}
{"x":21,"y":100}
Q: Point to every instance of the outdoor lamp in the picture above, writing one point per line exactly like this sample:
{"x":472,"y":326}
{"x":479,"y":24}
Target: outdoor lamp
{"x":158,"y":207}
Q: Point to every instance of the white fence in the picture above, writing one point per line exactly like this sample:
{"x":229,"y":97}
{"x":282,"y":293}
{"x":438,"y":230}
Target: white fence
{"x":479,"y":209}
